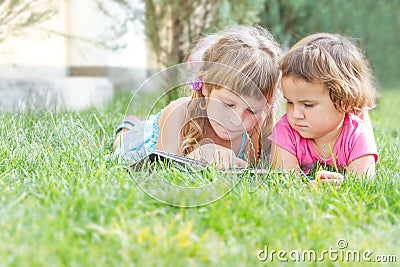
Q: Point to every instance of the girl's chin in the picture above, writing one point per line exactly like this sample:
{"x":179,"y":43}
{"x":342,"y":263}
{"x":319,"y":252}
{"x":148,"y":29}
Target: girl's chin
{"x":227,"y":136}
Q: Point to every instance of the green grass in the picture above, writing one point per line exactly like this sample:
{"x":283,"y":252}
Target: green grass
{"x":64,"y":203}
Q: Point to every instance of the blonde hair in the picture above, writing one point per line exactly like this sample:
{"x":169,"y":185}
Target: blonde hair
{"x":250,"y":56}
{"x":336,"y":62}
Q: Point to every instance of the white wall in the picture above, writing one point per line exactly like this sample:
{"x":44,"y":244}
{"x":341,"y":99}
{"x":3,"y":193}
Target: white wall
{"x":37,"y":47}
{"x":35,"y":66}
{"x":77,"y":18}
{"x":86,"y":20}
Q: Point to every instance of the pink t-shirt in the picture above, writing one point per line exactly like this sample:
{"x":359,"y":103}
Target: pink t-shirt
{"x":355,"y":141}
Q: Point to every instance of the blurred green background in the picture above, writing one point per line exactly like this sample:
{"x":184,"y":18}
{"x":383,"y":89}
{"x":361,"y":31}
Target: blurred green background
{"x":375,"y":24}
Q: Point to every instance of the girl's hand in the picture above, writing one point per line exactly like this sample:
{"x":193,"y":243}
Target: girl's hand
{"x":323,"y":176}
{"x":217,"y":155}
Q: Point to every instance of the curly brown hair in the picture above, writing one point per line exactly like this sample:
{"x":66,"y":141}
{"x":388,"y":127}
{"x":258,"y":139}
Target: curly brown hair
{"x":338,"y":64}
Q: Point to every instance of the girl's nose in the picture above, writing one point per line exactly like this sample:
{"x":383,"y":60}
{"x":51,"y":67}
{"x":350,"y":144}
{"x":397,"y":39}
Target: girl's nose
{"x":297,"y":113}
{"x":235,"y":119}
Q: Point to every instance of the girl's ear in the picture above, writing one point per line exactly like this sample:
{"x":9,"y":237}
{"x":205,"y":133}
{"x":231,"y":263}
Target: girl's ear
{"x":204,"y":90}
{"x":203,"y":86}
{"x":345,"y":108}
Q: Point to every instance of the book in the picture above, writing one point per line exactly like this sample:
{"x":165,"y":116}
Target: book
{"x":158,"y":156}
{"x":169,"y":159}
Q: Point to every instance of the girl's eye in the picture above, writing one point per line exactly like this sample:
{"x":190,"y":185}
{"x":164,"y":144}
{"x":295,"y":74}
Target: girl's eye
{"x":308,"y":105}
{"x":251,"y":111}
{"x":228,"y":104}
{"x":289,"y":103}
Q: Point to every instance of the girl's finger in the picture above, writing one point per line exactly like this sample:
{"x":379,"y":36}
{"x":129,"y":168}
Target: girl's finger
{"x":240,"y":163}
{"x":329,"y":175}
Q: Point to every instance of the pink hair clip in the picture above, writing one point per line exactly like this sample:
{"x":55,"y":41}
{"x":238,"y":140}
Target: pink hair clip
{"x":196,"y":85}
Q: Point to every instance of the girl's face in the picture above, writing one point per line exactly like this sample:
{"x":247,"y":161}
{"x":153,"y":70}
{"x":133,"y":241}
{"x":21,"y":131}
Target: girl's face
{"x":309,"y":109}
{"x":231,"y":115}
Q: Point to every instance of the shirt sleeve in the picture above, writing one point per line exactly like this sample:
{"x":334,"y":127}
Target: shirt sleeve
{"x":364,"y":143}
{"x":284,"y":136}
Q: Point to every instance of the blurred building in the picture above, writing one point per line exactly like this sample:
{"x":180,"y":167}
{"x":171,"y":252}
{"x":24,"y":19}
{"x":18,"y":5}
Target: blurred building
{"x":41,"y":69}
{"x":41,"y":54}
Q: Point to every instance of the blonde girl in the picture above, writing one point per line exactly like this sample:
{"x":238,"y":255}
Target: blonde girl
{"x":230,"y":112}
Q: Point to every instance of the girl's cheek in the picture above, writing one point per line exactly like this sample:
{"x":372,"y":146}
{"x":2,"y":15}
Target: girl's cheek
{"x":249,"y":123}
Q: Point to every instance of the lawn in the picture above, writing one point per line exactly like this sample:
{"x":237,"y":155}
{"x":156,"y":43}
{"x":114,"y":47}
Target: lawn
{"x":64,"y":202}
